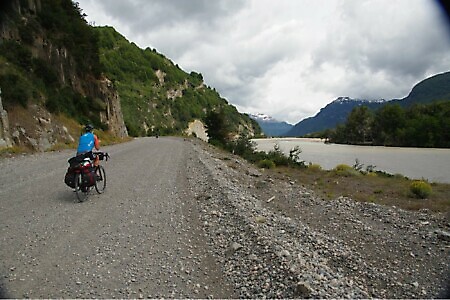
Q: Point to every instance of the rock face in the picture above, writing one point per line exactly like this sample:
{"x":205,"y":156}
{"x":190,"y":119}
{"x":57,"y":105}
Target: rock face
{"x":5,"y":137}
{"x":113,"y":113}
{"x":198,"y":129}
{"x":37,"y":127}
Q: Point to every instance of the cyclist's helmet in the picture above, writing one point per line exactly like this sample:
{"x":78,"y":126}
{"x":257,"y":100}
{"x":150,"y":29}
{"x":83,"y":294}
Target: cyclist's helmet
{"x":88,"y":128}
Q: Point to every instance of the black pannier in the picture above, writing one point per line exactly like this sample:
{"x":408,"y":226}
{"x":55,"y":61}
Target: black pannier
{"x":87,"y":173}
{"x":87,"y":176}
{"x":69,"y":179}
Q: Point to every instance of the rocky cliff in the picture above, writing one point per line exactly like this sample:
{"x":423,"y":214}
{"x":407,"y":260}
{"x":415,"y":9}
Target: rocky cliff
{"x":47,"y":78}
{"x":5,"y":136}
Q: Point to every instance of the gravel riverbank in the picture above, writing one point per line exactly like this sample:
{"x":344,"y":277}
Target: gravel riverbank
{"x":276,"y":239}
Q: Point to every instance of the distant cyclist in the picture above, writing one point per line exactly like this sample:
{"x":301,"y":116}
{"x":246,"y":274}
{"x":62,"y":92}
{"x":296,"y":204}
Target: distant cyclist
{"x":88,"y":141}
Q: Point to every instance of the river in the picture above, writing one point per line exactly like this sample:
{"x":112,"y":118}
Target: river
{"x":415,"y":163}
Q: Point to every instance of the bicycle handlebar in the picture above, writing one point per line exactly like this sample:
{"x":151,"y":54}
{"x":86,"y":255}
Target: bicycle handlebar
{"x":102,"y":155}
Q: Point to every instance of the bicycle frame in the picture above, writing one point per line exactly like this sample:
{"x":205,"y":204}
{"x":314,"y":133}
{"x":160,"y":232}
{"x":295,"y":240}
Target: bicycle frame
{"x":85,"y":166}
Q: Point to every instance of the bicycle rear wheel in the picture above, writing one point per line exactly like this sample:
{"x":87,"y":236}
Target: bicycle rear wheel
{"x":81,"y":191}
{"x":100,"y":182}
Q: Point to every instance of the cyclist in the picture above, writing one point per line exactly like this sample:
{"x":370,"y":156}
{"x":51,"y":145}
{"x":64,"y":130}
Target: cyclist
{"x":89,"y":141}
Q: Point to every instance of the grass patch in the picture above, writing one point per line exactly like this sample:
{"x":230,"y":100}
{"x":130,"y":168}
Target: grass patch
{"x":345,"y":170}
{"x":75,"y":129}
{"x":385,"y":190}
{"x":266,"y":164}
{"x":14,"y":150}
{"x":62,"y":146}
{"x":106,"y":138}
{"x":314,"y":167}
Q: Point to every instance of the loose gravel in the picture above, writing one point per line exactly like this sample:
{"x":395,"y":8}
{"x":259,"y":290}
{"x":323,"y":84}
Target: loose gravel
{"x":277,"y":239}
{"x":180,"y":219}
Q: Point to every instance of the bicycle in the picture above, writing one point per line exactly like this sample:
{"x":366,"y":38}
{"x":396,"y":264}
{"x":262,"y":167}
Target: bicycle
{"x":83,"y":176}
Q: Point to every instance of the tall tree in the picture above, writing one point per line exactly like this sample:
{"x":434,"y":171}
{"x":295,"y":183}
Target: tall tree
{"x":388,"y":124}
{"x":358,"y":125}
{"x":216,"y":128}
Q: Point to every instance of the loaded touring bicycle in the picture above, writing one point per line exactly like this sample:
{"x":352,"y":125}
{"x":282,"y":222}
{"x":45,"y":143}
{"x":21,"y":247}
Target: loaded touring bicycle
{"x":83,"y":176}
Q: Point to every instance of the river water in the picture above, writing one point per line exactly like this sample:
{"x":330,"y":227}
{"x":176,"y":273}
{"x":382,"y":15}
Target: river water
{"x":415,"y":163}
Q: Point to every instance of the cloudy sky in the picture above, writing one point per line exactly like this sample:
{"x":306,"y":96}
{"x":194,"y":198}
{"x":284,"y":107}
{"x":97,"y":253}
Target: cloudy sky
{"x":289,"y":58}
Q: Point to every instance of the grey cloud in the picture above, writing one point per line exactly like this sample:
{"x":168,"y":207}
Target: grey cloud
{"x":151,"y":15}
{"x":379,"y":54}
{"x":290,"y":57}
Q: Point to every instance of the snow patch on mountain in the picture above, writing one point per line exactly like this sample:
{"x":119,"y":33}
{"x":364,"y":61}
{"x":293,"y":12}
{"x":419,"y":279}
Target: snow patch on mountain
{"x":271,"y":126}
{"x":341,"y":100}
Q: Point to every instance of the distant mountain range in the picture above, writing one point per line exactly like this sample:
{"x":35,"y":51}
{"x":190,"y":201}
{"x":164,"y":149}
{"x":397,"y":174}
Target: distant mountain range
{"x":270,"y":126}
{"x":331,"y":115}
{"x":434,"y":88}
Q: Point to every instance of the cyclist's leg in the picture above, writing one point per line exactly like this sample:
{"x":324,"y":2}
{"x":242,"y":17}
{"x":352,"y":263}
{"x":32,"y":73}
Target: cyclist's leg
{"x":98,"y":173}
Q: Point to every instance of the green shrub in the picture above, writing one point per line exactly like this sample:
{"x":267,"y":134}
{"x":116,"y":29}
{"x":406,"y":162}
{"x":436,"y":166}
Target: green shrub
{"x":314,"y":167}
{"x":420,"y":189}
{"x":15,"y":90}
{"x":342,"y":167}
{"x":243,"y":147}
{"x":44,"y":71}
{"x":278,"y":157}
{"x":16,"y":54}
{"x":345,"y":170}
{"x":266,"y":164}
{"x":255,"y":156}
{"x":385,"y":174}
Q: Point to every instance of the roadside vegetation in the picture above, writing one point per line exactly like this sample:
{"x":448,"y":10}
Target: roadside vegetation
{"x":376,"y":187}
{"x":358,"y":182}
{"x":365,"y":185}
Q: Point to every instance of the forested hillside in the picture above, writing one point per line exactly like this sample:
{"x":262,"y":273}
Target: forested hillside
{"x":420,"y":125}
{"x":157,"y":96}
{"x":434,"y":88}
{"x":330,"y":116}
{"x":57,"y":73}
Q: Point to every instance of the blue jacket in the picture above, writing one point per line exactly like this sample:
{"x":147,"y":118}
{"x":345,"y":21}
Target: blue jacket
{"x":86,"y":143}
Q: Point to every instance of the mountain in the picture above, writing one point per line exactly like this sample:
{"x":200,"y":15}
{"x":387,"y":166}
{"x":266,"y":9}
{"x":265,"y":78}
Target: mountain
{"x":57,"y":73}
{"x":331,"y":115}
{"x":270,"y":126}
{"x":434,"y":88}
{"x":157,"y":96}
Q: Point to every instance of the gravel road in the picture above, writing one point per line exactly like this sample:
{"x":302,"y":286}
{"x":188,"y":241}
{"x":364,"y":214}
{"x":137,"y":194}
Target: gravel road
{"x":180,"y":219}
{"x":139,"y":239}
